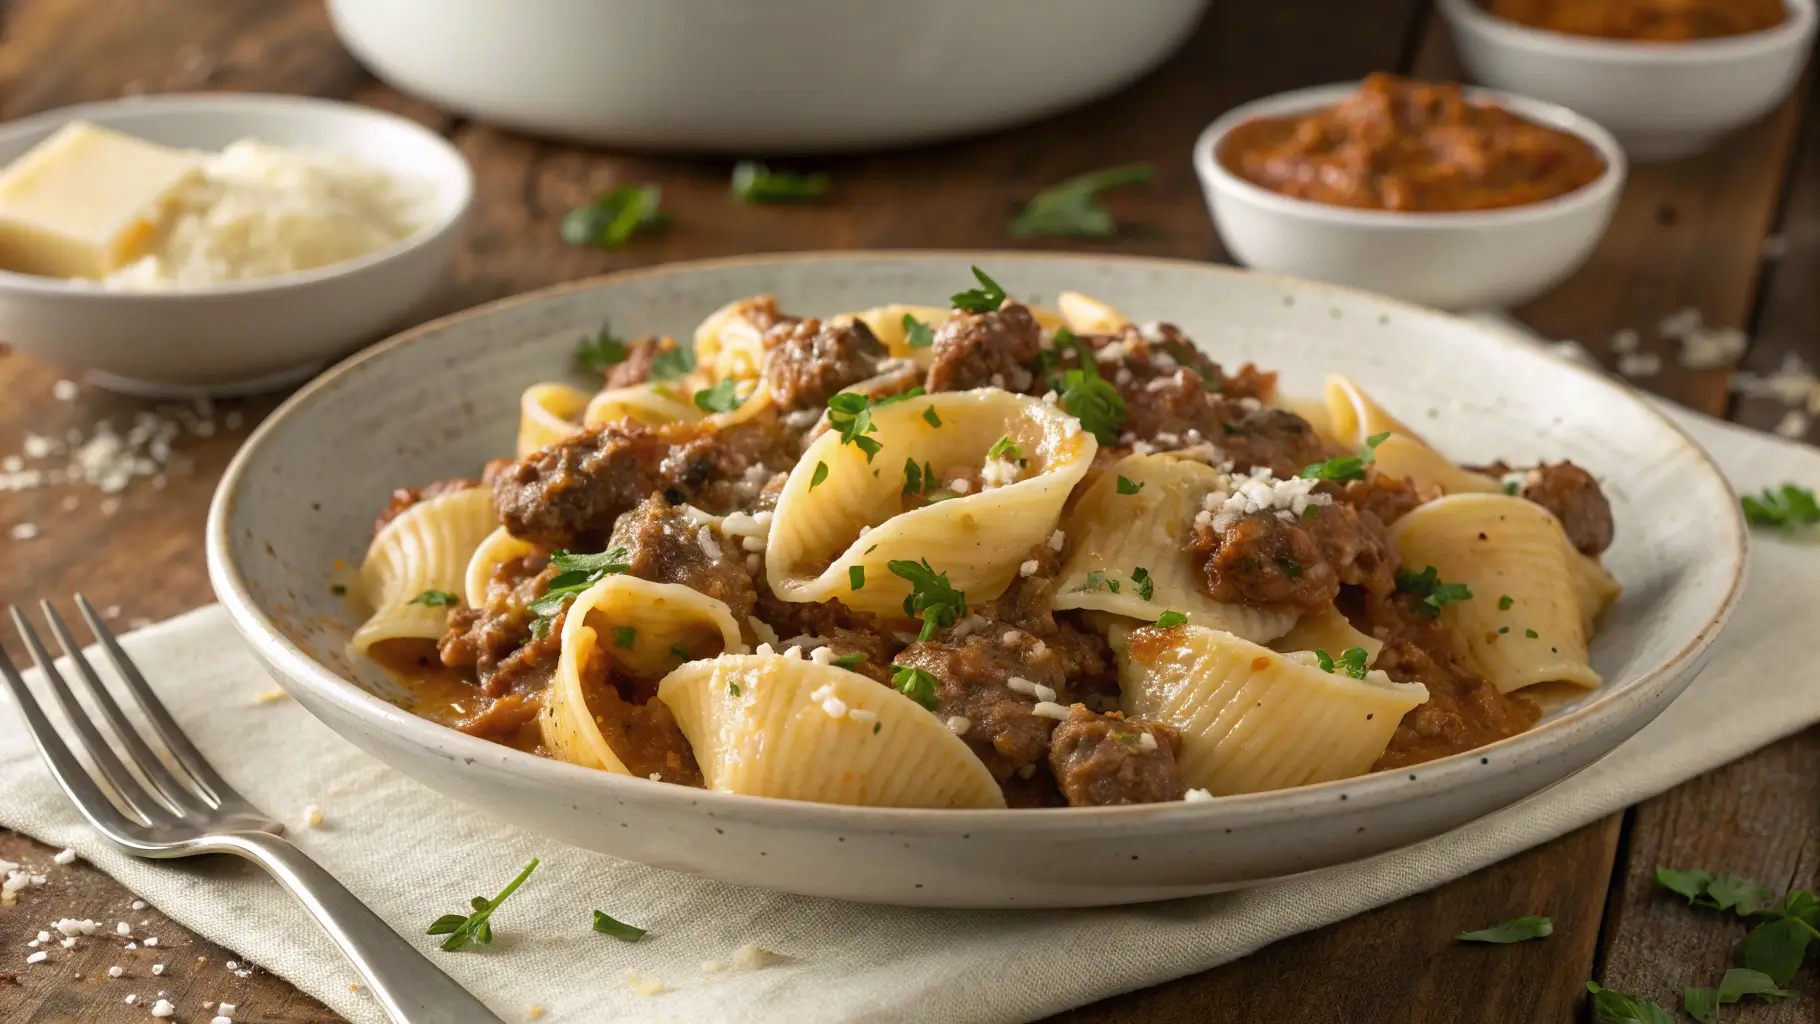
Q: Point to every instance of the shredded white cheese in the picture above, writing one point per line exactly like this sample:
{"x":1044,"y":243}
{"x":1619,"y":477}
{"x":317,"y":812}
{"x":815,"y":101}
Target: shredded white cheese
{"x":1195,"y":796}
{"x":959,"y":724}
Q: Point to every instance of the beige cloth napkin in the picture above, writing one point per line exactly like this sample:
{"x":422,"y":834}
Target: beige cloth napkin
{"x":413,"y":855}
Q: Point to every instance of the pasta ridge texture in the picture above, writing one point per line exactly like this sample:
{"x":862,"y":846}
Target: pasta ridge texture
{"x":427,"y":547}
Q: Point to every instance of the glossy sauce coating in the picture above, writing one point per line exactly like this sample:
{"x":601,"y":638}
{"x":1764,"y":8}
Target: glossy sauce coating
{"x":1411,"y":147}
{"x":1655,"y":21}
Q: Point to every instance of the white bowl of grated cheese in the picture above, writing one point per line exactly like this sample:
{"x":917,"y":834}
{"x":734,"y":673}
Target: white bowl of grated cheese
{"x":309,"y":228}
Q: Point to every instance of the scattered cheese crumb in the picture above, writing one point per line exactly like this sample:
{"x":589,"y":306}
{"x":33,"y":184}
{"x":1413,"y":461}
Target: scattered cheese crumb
{"x":1056,"y":540}
{"x":138,"y":904}
{"x":646,"y":986}
{"x":1050,"y":709}
{"x":705,"y":538}
{"x":163,"y":1008}
{"x":1639,"y":364}
{"x":38,"y":957}
{"x":1195,"y":796}
{"x":24,"y":531}
{"x":1626,"y":340}
{"x":1702,"y":347}
{"x":64,"y":390}
{"x":1793,"y":424}
{"x":1029,"y":568}
{"x":221,"y":1018}
{"x":1147,"y":741}
{"x":122,"y":928}
{"x":959,"y":724}
{"x":268,"y":697}
{"x":71,"y":926}
{"x":157,"y":968}
{"x":225,"y":1009}
{"x":115,"y":971}
{"x":536,"y":1012}
{"x":65,"y":856}
{"x":132,"y":998}
{"x":312,"y":816}
{"x":153,"y":941}
{"x":832,"y":706}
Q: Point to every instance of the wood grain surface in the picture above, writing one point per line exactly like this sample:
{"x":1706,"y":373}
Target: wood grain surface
{"x":1688,"y":234}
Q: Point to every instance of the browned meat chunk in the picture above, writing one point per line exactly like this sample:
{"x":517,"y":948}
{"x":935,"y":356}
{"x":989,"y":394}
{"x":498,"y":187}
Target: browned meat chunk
{"x":1262,"y":436}
{"x":405,"y":497}
{"x":663,"y":546}
{"x":569,"y":494}
{"x":1100,"y":760}
{"x":809,"y":361}
{"x":638,"y":727}
{"x":511,"y":719}
{"x":1574,"y":497}
{"x":1170,"y":406}
{"x":1262,"y":559}
{"x":496,"y":640}
{"x":976,"y":350}
{"x":635,"y":368}
{"x":1388,"y":498}
{"x":834,"y":625}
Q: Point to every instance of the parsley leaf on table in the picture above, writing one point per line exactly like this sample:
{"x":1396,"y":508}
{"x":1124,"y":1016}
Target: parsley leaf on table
{"x":606,"y":924}
{"x":476,"y":928}
{"x":611,"y":219}
{"x":1615,"y":1007}
{"x":753,"y":182}
{"x":1517,"y":929}
{"x":1782,"y":508}
{"x":1073,"y":207}
{"x":1702,"y":1004}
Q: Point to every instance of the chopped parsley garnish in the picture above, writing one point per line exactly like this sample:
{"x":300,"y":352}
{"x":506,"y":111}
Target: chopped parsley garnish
{"x":1615,"y":1007}
{"x":733,"y":689}
{"x":436,"y":599}
{"x":1503,"y":629}
{"x":984,"y":299}
{"x":1086,"y":395}
{"x":1291,"y":568}
{"x":598,"y":353}
{"x":673,"y":362}
{"x":576,"y":573}
{"x":916,"y":333}
{"x":913,"y":478}
{"x":1004,"y":449}
{"x":1347,"y":467}
{"x":1510,"y":487}
{"x":1505,"y":602}
{"x":1127,"y":487}
{"x":1351,"y":662}
{"x":624,"y":636}
{"x":849,"y":660}
{"x":1145,"y":585}
{"x":1097,"y":580}
{"x":851,"y":414}
{"x":931,"y":597}
{"x":722,"y":397}
{"x":1427,"y":585}
{"x":1532,"y":634}
{"x":611,"y":219}
{"x":820,"y":474}
{"x":876,"y":726}
{"x":915,"y":684}
{"x":474,"y":928}
{"x":1073,"y":207}
{"x":856,"y":577}
{"x":1517,"y":929}
{"x":679,"y":654}
{"x":1702,"y":1004}
{"x":753,"y":182}
{"x":1782,"y":508}
{"x":931,"y":418}
{"x":605,"y":924}
{"x":339,"y":588}
{"x":1170,"y":620}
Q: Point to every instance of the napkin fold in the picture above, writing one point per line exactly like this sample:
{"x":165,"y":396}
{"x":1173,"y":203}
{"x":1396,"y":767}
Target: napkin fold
{"x":413,"y":855}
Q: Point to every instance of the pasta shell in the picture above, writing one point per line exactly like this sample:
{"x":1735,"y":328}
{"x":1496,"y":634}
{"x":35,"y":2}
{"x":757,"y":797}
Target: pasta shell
{"x":662,"y":616}
{"x":1253,"y":719}
{"x":498,"y":548}
{"x":1354,"y":417}
{"x":729,"y":343}
{"x":547,"y":413}
{"x":1111,"y":534}
{"x":1086,"y":315}
{"x":887,"y":325}
{"x":1502,"y":546}
{"x":851,"y":519}
{"x":646,"y":403}
{"x":428,"y":547}
{"x":777,"y":726}
{"x":1327,"y":630}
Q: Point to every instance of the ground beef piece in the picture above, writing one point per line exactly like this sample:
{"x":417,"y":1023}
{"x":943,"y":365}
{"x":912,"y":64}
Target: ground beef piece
{"x":637,"y":726}
{"x":1101,"y":760}
{"x":1026,"y":602}
{"x":404,"y":497}
{"x":530,"y":668}
{"x":1170,"y":405}
{"x":569,"y":494}
{"x":511,"y":720}
{"x":1388,"y":498}
{"x":809,"y":361}
{"x":1262,"y":559}
{"x":1254,"y":436}
{"x":635,"y":368}
{"x":971,"y":349}
{"x":1574,"y":497}
{"x":832,"y":624}
{"x":487,"y":639}
{"x":664,"y":546}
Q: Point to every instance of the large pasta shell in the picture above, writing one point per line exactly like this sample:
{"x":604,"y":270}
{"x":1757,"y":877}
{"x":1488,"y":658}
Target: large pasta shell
{"x":664,"y":618}
{"x":547,"y":413}
{"x":426,"y":548}
{"x":1502,"y":546}
{"x":777,"y":726}
{"x":1327,"y":630}
{"x":729,"y":343}
{"x":498,"y":548}
{"x":1253,"y":719}
{"x":1086,"y":315}
{"x":1353,"y":417}
{"x":1113,"y":534}
{"x":821,"y":531}
{"x":887,"y":325}
{"x":649,"y":404}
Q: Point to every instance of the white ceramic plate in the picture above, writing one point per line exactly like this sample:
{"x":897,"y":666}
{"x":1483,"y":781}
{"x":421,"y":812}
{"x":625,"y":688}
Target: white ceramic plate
{"x":439,"y":400}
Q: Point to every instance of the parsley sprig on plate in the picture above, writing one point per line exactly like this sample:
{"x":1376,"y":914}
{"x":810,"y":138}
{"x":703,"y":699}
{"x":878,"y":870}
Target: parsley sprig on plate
{"x":850,"y":414}
{"x":916,"y":684}
{"x":476,"y":928}
{"x":1073,"y":207}
{"x":575,"y":573}
{"x":916,"y":333}
{"x":609,"y":220}
{"x":1086,"y":395}
{"x":1427,"y":586}
{"x":722,"y":397}
{"x":1347,"y":467}
{"x":1351,"y":662}
{"x":932,"y":598}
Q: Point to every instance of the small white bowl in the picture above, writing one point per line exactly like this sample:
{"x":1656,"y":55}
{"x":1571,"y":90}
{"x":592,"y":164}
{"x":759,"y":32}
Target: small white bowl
{"x":751,"y":77}
{"x":1469,"y":260}
{"x":1662,"y":100}
{"x":245,"y":336}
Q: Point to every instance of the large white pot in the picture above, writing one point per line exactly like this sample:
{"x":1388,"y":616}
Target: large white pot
{"x":760,"y":75}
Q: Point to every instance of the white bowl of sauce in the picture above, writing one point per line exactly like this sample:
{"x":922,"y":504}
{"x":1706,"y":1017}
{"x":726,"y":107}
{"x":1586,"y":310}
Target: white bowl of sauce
{"x":251,"y":240}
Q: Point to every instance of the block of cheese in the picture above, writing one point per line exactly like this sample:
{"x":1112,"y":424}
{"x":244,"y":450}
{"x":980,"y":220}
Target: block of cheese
{"x":82,"y":202}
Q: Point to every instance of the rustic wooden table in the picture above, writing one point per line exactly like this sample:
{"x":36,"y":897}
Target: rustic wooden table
{"x":1691,"y":234}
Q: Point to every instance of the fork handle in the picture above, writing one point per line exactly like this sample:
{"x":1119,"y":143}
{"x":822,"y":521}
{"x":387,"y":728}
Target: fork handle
{"x":411,"y":988}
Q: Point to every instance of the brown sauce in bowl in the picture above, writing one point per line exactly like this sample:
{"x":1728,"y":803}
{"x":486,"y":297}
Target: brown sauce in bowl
{"x":1411,"y":147}
{"x":1651,"y":21}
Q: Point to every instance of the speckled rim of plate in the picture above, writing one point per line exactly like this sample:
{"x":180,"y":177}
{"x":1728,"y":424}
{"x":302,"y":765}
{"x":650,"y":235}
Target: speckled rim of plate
{"x":1214,"y":174}
{"x":1363,"y":792}
{"x":202,"y":105}
{"x":1801,"y":14}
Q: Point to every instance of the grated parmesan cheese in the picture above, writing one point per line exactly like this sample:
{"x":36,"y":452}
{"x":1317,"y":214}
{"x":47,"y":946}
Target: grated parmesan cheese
{"x":1195,"y":796}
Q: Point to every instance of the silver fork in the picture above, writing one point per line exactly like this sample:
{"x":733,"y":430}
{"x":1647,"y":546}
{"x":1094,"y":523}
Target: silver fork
{"x":189,"y":809}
